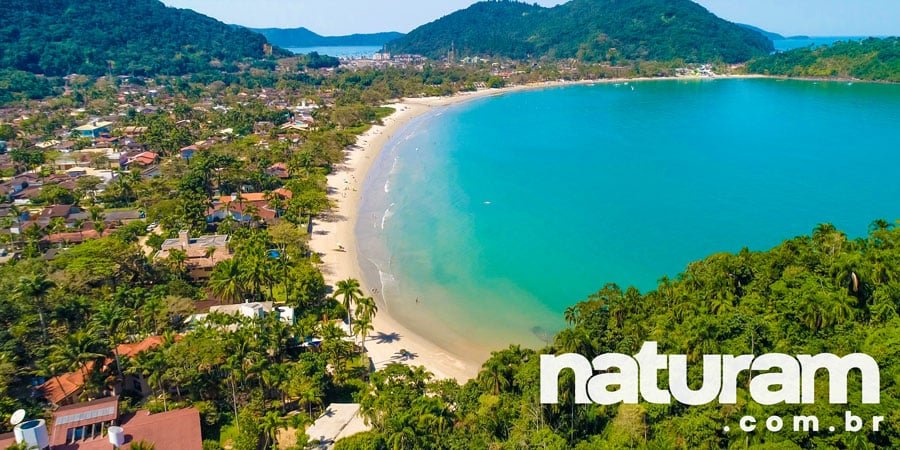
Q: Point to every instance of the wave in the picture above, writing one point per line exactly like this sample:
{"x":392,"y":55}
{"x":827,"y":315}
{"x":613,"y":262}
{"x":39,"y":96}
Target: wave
{"x":387,"y":215}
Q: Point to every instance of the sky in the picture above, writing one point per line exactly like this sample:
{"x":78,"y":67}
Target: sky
{"x":338,"y":17}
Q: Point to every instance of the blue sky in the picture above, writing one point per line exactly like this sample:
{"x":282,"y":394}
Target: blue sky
{"x":333,"y":17}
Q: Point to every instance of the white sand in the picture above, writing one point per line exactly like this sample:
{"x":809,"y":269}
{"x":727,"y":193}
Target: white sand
{"x":346,"y":184}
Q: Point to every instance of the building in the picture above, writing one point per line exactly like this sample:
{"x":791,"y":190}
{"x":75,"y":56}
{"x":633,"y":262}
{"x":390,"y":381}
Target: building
{"x":244,"y":207}
{"x":257,"y":310}
{"x":144,"y":159}
{"x":93,"y":130}
{"x":65,"y":389}
{"x":188,"y":152}
{"x":83,"y":426}
{"x":201,"y":253}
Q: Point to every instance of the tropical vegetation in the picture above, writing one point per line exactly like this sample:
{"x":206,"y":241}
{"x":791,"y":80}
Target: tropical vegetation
{"x":871,"y":59}
{"x":589,"y":30}
{"x":825,"y":292}
{"x":136,"y":37}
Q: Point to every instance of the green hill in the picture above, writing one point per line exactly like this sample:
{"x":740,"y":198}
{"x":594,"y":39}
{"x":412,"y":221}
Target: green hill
{"x":772,"y":36}
{"x":591,"y":30}
{"x":871,"y":59}
{"x":303,"y":37}
{"x":141,"y":37}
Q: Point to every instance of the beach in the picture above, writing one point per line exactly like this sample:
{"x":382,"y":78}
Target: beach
{"x":334,"y":239}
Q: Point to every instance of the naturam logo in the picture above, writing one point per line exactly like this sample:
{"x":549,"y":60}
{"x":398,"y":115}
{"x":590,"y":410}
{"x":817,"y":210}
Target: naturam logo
{"x":624,"y":379}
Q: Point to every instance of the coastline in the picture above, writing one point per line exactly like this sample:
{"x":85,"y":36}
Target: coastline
{"x":390,"y":341}
{"x":334,"y":236}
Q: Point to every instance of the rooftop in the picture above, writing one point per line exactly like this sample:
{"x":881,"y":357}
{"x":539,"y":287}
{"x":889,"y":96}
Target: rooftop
{"x":93,"y":126}
{"x":212,"y":240}
{"x":340,"y":420}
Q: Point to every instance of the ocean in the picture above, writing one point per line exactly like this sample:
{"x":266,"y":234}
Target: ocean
{"x":483,"y":221}
{"x":339,"y":52}
{"x":783,"y":45}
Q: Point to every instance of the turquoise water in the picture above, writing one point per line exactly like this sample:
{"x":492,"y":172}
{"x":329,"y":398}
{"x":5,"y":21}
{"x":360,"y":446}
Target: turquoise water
{"x":339,"y":51}
{"x":784,"y":45}
{"x":499,"y":213}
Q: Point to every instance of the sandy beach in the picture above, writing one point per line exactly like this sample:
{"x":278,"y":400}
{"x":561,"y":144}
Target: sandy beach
{"x":334,"y":240}
{"x":334,"y":236}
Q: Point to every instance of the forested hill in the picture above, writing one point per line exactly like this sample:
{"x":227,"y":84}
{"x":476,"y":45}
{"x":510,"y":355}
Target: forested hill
{"x":824,"y":293}
{"x":591,"y":30}
{"x":772,"y":36}
{"x":872,"y":59}
{"x":142,"y":37}
{"x":303,"y":37}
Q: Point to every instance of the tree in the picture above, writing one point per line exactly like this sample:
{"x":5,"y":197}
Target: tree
{"x":35,"y":288}
{"x":142,"y":445}
{"x":75,"y":351}
{"x":366,"y":308}
{"x":270,"y":424}
{"x":350,"y":292}
{"x":225,"y":281}
{"x":108,"y":319}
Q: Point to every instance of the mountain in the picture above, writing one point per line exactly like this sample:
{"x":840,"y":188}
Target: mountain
{"x":302,"y":37}
{"x":872,"y":59}
{"x":772,"y":36}
{"x":141,"y":37}
{"x":591,"y":30}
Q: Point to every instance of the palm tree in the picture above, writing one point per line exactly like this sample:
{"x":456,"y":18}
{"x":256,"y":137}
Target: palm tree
{"x":108,"y":318}
{"x":75,"y":351}
{"x":311,"y":395}
{"x":255,"y":274}
{"x":572,"y":315}
{"x":96,"y":214}
{"x":56,"y":225}
{"x":494,"y":375}
{"x":225,"y":281}
{"x":152,"y":366}
{"x":142,"y":445}
{"x":35,"y":287}
{"x":350,"y":290}
{"x":177,"y":259}
{"x":366,"y":308}
{"x":363,"y":328}
{"x":270,"y":424}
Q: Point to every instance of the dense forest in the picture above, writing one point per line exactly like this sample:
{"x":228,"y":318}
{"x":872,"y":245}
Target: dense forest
{"x":811,"y":294}
{"x":303,"y":37}
{"x":590,"y":30}
{"x":134,"y":37}
{"x":872,"y":59}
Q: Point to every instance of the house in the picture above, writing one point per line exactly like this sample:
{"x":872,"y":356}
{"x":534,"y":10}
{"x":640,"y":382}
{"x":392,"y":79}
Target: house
{"x":65,"y":389}
{"x":132,"y":131}
{"x":188,"y":152}
{"x":83,"y":426}
{"x":244,"y":207}
{"x":18,"y":184}
{"x":279,"y":170}
{"x":144,"y":159}
{"x":256,"y":310}
{"x":201,"y":253}
{"x":74,"y":237}
{"x":93,"y":129}
{"x":295,"y":125}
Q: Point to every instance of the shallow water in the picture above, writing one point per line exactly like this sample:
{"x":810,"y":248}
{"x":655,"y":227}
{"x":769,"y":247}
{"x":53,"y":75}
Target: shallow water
{"x":483,"y":221}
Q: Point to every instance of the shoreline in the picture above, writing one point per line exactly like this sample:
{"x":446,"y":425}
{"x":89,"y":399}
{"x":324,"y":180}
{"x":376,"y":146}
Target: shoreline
{"x":334,"y":235}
